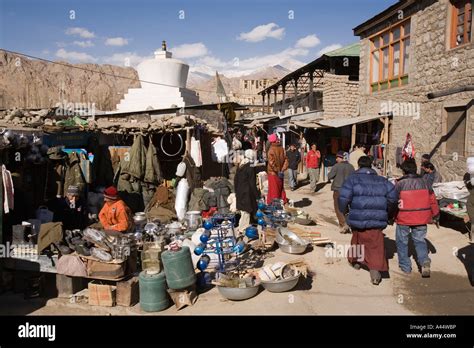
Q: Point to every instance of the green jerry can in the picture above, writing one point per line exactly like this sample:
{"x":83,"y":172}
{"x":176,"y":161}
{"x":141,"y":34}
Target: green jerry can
{"x":153,"y":294}
{"x":179,"y":269}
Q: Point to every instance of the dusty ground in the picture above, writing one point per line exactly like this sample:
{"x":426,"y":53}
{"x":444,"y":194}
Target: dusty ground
{"x":335,"y":288}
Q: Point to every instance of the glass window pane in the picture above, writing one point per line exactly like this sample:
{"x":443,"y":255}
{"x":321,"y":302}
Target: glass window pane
{"x":375,"y":66}
{"x":406,"y":56}
{"x":406,"y":28}
{"x":385,"y":63}
{"x":396,"y":59}
{"x":386,"y":38}
{"x":376,"y":42}
{"x":396,"y":33}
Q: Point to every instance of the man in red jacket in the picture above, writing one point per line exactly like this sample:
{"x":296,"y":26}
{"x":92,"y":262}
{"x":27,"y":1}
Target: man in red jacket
{"x":417,"y":207}
{"x":313,"y":159}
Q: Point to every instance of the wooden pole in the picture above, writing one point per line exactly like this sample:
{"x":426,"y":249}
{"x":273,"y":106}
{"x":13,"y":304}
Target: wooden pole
{"x":283,"y":100}
{"x":311,"y":92}
{"x":188,"y":140}
{"x":385,"y":149}
{"x":353,"y":135}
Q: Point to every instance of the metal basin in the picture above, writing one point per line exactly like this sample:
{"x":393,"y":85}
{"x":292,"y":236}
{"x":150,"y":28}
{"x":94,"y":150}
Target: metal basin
{"x":295,"y":244}
{"x":293,"y":248}
{"x":281,"y":285}
{"x":238,"y":294}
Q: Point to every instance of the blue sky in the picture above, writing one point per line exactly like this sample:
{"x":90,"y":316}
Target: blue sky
{"x":226,"y":35}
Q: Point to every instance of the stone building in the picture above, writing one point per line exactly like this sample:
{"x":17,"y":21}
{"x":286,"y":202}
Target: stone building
{"x":417,"y":64}
{"x":328,"y":85}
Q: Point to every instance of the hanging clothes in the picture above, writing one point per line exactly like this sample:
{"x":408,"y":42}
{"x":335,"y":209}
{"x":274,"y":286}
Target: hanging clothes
{"x":55,"y":175}
{"x":195,"y":152}
{"x":8,"y":190}
{"x":193,"y":173}
{"x":221,"y":150}
{"x":152,"y":166}
{"x":137,"y":159}
{"x":408,"y":149}
{"x":101,"y":168}
{"x":74,"y":175}
{"x":117,"y":154}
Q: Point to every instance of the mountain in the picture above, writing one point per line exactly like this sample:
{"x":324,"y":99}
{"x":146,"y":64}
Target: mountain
{"x":196,"y":78}
{"x":27,"y":83}
{"x":206,"y":88}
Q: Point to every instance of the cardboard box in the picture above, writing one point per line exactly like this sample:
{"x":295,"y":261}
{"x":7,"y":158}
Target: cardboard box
{"x":128,"y":292}
{"x":102,"y":294}
{"x":183,"y":297}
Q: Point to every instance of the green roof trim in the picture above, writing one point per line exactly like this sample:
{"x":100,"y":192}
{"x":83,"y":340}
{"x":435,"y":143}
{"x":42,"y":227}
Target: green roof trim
{"x":347,"y":51}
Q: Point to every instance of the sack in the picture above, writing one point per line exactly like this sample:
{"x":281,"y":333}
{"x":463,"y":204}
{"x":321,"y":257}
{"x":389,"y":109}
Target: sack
{"x":71,"y":265}
{"x":105,"y":270}
{"x":44,"y":215}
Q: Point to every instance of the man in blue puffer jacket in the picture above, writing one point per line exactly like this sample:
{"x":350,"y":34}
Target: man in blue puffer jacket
{"x":372,"y":201}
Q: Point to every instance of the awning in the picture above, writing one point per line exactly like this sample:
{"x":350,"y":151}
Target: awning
{"x":347,"y":121}
{"x":262,"y":119}
{"x":306,"y":124}
{"x":332,"y":123}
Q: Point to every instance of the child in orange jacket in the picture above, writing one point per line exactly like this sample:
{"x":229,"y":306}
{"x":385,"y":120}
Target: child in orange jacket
{"x":115,"y":215}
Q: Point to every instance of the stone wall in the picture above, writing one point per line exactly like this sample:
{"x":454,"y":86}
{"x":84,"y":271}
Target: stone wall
{"x":433,"y":67}
{"x":340,"y":96}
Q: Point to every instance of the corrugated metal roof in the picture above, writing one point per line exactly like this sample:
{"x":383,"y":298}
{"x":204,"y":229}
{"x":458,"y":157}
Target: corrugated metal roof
{"x":347,"y":51}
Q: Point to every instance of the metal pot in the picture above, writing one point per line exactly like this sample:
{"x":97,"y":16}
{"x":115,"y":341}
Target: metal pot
{"x":193,"y":220}
{"x":238,"y":294}
{"x":293,"y":248}
{"x":281,"y":285}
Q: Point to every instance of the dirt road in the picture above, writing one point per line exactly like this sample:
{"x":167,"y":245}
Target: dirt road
{"x":334,"y":289}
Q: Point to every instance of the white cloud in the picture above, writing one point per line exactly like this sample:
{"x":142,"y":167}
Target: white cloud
{"x":193,"y":50}
{"x":308,"y":41}
{"x":61,"y":44}
{"x":116,"y":41}
{"x":82,"y":32}
{"x":329,"y":49}
{"x":239,"y":67}
{"x":45,"y":52}
{"x":260,"y":33}
{"x":125,"y":59}
{"x":75,"y":56}
{"x":84,"y":44}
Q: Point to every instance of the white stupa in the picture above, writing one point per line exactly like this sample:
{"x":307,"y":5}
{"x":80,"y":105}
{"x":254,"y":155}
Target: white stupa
{"x":168,"y":87}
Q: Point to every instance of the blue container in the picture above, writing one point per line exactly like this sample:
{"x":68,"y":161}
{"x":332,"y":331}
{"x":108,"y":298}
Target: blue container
{"x":251,"y":232}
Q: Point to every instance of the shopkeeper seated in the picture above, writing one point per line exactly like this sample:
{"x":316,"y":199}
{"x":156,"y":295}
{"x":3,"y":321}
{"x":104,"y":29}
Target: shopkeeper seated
{"x":115,"y":215}
{"x":70,"y":210}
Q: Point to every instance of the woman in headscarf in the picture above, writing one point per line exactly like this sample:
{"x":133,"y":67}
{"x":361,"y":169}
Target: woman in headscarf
{"x":277,"y":164}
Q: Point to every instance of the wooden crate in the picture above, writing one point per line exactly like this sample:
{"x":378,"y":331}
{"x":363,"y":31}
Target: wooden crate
{"x":102,"y":294}
{"x":128,"y":292}
{"x":67,"y":286}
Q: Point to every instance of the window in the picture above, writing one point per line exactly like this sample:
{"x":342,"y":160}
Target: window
{"x":456,"y":143}
{"x":461,"y":22}
{"x":390,"y":57}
